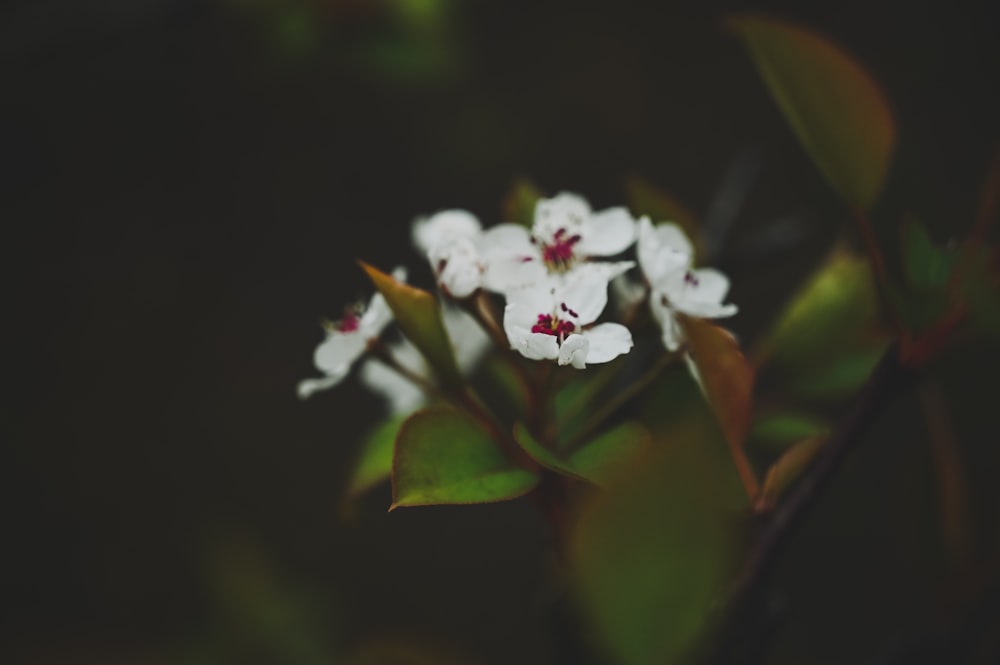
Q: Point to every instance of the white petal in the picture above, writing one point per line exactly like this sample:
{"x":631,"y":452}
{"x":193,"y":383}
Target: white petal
{"x":586,"y":294}
{"x":607,"y":233}
{"x":703,"y":295}
{"x":403,"y":397}
{"x":340,"y":349}
{"x":606,"y":270}
{"x":574,"y":351}
{"x":378,"y":315}
{"x":504,"y":274}
{"x":607,"y":342}
{"x":443,"y":227}
{"x":664,"y":315}
{"x":307,"y":387}
{"x":534,"y":346}
{"x":564,"y":211}
{"x":695,"y":374}
{"x":458,"y":266}
{"x":628,"y":293}
{"x":468,"y":338}
{"x":662,"y":250}
{"x":502,"y":239}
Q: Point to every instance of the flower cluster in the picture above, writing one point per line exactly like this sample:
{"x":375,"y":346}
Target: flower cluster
{"x":553,"y":278}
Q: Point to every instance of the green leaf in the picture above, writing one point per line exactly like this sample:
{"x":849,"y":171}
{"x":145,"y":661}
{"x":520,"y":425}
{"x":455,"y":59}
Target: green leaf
{"x":519,"y":205}
{"x":445,"y":457}
{"x":781,"y":429}
{"x":786,"y":471}
{"x":419,"y":316}
{"x":835,"y":311}
{"x":724,"y":373}
{"x":927,"y":266}
{"x":596,"y":461}
{"x":840,"y":377}
{"x":653,"y":556}
{"x":836,"y":109}
{"x":644,"y":198}
{"x":374,"y":463}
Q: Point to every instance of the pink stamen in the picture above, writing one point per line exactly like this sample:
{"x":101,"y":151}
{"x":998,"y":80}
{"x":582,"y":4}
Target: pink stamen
{"x":560,"y":253}
{"x":552,"y":325}
{"x":350,"y":322}
{"x":689,"y":278}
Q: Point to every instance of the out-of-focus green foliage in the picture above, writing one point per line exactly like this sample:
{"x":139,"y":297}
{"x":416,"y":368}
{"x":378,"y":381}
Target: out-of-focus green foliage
{"x":419,"y":316}
{"x":834,"y":313}
{"x":519,"y":206}
{"x":445,"y":457}
{"x":654,"y":553}
{"x":596,"y":461}
{"x":786,"y":471}
{"x":778,"y":430}
{"x":374,"y":463}
{"x":835,"y":107}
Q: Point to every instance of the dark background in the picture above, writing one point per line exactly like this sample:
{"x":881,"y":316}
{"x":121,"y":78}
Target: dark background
{"x":184,"y":189}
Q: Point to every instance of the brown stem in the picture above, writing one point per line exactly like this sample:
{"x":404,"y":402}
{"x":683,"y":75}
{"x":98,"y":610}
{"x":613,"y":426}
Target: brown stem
{"x":877,"y":264}
{"x":741,"y":630}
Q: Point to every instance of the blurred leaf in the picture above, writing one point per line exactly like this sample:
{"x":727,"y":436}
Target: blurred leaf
{"x":644,"y":198}
{"x":419,"y":316}
{"x":404,"y":652}
{"x":653,"y":555}
{"x":840,"y":377}
{"x":786,"y":471}
{"x":596,"y":461}
{"x":836,"y":310}
{"x":374,"y":463}
{"x":837,"y":110}
{"x":927,"y":266}
{"x":519,"y":205}
{"x":724,"y":373}
{"x":445,"y":457}
{"x":786,"y":427}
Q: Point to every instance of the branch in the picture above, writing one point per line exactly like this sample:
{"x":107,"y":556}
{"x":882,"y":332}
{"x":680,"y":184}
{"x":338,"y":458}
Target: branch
{"x":743,"y":627}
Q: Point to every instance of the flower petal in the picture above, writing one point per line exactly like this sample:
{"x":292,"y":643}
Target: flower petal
{"x":534,"y":346}
{"x":338,"y":351}
{"x":664,"y":315}
{"x":662,"y":250}
{"x":565,"y":211}
{"x":458,"y":267}
{"x":309,"y":386}
{"x":444,"y":227}
{"x":402,"y":396}
{"x":607,"y":233}
{"x":585,"y":293}
{"x":607,"y":342}
{"x":703,"y":293}
{"x":574,"y":351}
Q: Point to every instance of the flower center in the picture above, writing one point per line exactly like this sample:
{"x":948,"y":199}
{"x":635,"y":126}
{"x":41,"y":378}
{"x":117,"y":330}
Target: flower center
{"x":551,"y":324}
{"x":690,"y":279}
{"x":350,"y":321}
{"x":558,"y":255}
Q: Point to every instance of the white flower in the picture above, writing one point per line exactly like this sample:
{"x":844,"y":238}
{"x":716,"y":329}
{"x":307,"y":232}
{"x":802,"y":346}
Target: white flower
{"x":468,"y":340}
{"x":565,"y":235}
{"x":551,"y":321}
{"x":666,"y":257}
{"x":463,"y":257}
{"x":347,"y":339}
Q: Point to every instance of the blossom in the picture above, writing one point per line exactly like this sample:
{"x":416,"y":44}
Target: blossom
{"x":565,"y":235}
{"x":552,"y":321}
{"x":347,"y":339}
{"x":468,"y":341}
{"x":463,"y":257}
{"x":666,"y":258}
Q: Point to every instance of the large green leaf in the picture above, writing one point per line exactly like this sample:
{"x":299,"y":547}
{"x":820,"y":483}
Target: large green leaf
{"x":836,"y":109}
{"x":597,"y":461}
{"x":654,"y":555}
{"x":443,"y":456}
{"x":836,"y":310}
{"x":419,"y":316}
{"x":374,"y":462}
